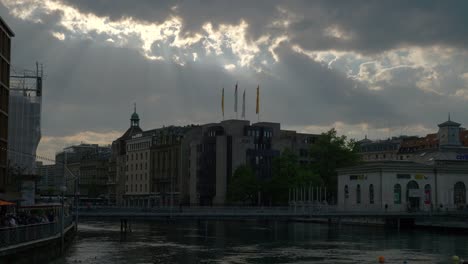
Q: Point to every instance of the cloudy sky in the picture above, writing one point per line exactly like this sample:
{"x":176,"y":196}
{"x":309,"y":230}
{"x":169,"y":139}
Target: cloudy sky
{"x":379,"y":68}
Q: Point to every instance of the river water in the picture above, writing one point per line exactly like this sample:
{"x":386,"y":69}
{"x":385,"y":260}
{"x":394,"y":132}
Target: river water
{"x":257,"y":242}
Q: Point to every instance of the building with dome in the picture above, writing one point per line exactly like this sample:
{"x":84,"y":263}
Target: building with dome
{"x":431,"y":178}
{"x":118,"y":161}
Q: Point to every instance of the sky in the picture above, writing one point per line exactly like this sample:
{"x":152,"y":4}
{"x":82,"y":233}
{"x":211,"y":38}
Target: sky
{"x":375,"y":68}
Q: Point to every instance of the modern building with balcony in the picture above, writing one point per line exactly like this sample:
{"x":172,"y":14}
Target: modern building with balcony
{"x":6,"y":191}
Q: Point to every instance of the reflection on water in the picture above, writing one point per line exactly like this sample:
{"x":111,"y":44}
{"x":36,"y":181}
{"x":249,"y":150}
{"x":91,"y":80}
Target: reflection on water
{"x":257,"y":242}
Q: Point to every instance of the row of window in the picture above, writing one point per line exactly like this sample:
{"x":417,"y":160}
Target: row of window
{"x":5,"y":44}
{"x":132,"y":176}
{"x":136,"y":166}
{"x":130,"y":156}
{"x":137,"y":146}
{"x":3,"y":126}
{"x":256,"y":133}
{"x":4,"y":72}
{"x":459,"y":194}
{"x":134,"y":188}
{"x":358,"y":193}
{"x":384,"y":156}
{"x":4,"y":98}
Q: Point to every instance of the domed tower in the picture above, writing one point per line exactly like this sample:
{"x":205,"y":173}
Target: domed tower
{"x":449,"y":133}
{"x":135,"y":119}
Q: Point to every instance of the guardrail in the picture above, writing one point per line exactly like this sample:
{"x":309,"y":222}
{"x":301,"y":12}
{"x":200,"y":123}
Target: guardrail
{"x":11,"y":236}
{"x":300,"y":210}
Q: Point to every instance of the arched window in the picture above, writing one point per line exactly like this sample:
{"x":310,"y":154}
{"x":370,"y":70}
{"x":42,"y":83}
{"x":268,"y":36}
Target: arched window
{"x":371,"y":194}
{"x":346,"y":192}
{"x":412,"y":185}
{"x":358,"y":194}
{"x":427,"y":194}
{"x":459,"y":193}
{"x":413,"y":196}
{"x":397,"y":194}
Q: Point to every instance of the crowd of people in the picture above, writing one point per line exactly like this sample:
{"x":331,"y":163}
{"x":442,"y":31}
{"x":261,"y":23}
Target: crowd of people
{"x":27,"y":218}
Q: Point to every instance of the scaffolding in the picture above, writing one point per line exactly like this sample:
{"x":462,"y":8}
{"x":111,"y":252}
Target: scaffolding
{"x":24,"y":121}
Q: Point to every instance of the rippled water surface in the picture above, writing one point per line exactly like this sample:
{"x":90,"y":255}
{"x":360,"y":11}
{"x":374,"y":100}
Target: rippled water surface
{"x":257,"y":242}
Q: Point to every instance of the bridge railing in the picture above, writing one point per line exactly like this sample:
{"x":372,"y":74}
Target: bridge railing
{"x":25,"y":233}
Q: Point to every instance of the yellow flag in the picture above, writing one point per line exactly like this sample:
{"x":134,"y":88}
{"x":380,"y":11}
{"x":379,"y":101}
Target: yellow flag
{"x":222,"y":102}
{"x":258,"y":100}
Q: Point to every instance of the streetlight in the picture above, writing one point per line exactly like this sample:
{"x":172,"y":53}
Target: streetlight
{"x":63,"y":189}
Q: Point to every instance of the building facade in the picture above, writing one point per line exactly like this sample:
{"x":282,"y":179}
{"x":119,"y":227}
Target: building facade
{"x":379,"y":149}
{"x":213,"y":152}
{"x":117,"y":184}
{"x":83,"y":169}
{"x":432,"y":179}
{"x":166,"y":169}
{"x":47,"y":177}
{"x":138,"y":179}
{"x":5,"y":51}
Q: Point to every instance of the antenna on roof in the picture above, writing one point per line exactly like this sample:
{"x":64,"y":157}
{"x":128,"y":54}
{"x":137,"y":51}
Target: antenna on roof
{"x":449,"y":116}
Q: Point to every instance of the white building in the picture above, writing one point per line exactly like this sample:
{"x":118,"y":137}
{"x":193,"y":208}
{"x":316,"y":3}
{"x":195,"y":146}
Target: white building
{"x":432,"y":179}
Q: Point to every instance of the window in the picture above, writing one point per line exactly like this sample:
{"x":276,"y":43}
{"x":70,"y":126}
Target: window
{"x":371,"y":194}
{"x":346,"y":192}
{"x":358,"y":194}
{"x":427,"y":194}
{"x":412,"y":192}
{"x":459,"y":194}
{"x":397,"y":194}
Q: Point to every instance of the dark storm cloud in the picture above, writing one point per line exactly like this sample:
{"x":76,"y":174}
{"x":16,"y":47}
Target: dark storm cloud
{"x":91,"y":83}
{"x":371,"y":26}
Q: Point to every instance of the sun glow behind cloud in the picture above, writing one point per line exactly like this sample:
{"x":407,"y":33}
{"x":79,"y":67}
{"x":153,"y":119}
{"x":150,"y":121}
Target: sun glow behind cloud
{"x":129,"y":32}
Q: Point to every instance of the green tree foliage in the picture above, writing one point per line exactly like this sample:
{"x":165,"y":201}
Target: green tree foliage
{"x":243,"y":186}
{"x":287,"y":174}
{"x":331,"y":152}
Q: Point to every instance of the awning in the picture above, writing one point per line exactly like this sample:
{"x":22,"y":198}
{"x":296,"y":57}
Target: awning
{"x":5,"y":203}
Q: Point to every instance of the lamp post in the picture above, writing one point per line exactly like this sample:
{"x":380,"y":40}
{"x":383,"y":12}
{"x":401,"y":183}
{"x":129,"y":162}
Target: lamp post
{"x":63,"y":189}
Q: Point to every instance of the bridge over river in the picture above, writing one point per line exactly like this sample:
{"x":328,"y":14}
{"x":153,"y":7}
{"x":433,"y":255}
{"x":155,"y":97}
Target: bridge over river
{"x":259,"y":212}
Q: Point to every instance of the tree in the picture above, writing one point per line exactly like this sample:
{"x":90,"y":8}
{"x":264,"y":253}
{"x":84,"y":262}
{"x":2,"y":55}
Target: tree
{"x":243,"y":186}
{"x":289,"y":174}
{"x":331,"y":152}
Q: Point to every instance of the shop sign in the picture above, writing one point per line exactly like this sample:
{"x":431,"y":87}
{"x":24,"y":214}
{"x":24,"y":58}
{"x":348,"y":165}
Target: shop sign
{"x":357,"y":177}
{"x":420,"y":177}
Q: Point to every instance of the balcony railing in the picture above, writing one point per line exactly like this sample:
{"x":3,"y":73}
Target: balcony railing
{"x":11,"y":236}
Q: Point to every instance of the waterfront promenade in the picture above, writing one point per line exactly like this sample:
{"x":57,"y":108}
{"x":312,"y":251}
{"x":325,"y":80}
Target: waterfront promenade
{"x":260,"y":212}
{"x":27,"y":243}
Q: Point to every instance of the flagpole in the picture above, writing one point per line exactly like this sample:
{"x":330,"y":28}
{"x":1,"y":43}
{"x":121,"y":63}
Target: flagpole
{"x":258,"y":103}
{"x":222,"y":103}
{"x":235,"y":102}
